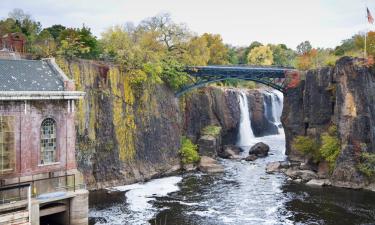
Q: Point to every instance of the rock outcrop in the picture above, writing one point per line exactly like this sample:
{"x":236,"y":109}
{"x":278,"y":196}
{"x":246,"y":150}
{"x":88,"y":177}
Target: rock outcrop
{"x":210,"y":165}
{"x":219,"y":106}
{"x":124,"y":134}
{"x":259,"y":150}
{"x":344,"y":96}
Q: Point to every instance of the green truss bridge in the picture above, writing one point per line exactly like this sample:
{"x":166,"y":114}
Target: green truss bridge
{"x":279,"y":78}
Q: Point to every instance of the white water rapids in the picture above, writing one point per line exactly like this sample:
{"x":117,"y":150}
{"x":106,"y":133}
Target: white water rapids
{"x":244,"y":194}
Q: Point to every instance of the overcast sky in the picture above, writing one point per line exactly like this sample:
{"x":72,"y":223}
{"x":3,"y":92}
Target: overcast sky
{"x":324,"y":22}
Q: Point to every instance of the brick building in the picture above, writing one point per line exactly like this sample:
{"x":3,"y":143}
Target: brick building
{"x":13,"y":41}
{"x":37,"y":143}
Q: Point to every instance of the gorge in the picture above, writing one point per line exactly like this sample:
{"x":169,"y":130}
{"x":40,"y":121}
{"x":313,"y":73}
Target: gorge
{"x":127,"y":136}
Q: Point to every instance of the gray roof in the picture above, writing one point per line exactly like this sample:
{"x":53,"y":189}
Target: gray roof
{"x":29,"y":75}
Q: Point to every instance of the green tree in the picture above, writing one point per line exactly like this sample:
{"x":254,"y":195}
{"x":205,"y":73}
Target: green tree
{"x":55,"y":30}
{"x":90,"y":42}
{"x":44,"y":45}
{"x":261,"y":55}
{"x":304,"y":48}
{"x":71,"y":44}
{"x":282,"y":55}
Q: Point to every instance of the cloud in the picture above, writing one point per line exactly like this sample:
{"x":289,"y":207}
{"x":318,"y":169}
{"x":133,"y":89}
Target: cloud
{"x":324,"y":22}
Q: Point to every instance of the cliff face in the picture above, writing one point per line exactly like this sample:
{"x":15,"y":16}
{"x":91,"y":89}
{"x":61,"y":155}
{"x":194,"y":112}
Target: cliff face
{"x":220,"y":106}
{"x":123,"y":135}
{"x":344,"y":96}
{"x":128,"y":133}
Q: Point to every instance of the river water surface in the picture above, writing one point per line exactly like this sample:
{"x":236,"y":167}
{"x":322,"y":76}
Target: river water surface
{"x":243,"y":194}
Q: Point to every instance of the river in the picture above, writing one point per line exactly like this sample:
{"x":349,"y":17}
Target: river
{"x":243,"y":194}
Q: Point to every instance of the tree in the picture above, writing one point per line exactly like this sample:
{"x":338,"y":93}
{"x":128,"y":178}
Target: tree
{"x":282,"y":55}
{"x":55,"y":30}
{"x":261,"y":55}
{"x":44,"y":45}
{"x":304,"y":48}
{"x":27,"y":25}
{"x":172,"y":35}
{"x":245,"y":52}
{"x":233,"y":57}
{"x":89,"y":41}
{"x":117,"y":45}
{"x":197,"y":52}
{"x":218,"y":50}
{"x":71,"y":44}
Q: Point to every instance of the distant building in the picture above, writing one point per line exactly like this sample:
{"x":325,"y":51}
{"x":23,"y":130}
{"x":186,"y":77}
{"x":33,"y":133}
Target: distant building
{"x":37,"y":145}
{"x":14,"y":42}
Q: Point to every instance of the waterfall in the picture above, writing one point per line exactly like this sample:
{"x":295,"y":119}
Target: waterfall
{"x":277,"y":106}
{"x":273,"y":106}
{"x":245,"y":134}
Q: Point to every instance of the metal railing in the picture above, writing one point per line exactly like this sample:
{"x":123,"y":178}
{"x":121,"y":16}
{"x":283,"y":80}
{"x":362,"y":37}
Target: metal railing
{"x":16,"y":192}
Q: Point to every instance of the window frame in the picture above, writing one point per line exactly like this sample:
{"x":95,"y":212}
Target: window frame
{"x":12,"y":152}
{"x":55,"y":151}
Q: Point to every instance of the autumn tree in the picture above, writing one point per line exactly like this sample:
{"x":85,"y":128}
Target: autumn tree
{"x":217,"y":48}
{"x":171,"y":34}
{"x":261,"y":55}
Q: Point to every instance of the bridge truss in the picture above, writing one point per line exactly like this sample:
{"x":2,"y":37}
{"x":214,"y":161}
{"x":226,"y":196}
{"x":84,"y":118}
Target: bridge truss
{"x":277,"y":78}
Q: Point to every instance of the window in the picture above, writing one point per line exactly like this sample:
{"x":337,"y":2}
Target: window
{"x":7,"y":144}
{"x":48,"y":141}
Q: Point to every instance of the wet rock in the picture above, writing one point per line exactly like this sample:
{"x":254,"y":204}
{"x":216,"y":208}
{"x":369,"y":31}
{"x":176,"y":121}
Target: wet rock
{"x":298,"y":180}
{"x":305,"y":175}
{"x":210,"y":165}
{"x":273,"y":167}
{"x":230,"y":152}
{"x":189,"y":167}
{"x":319,"y":182}
{"x":285,"y":165}
{"x":251,"y":158}
{"x":259,"y":149}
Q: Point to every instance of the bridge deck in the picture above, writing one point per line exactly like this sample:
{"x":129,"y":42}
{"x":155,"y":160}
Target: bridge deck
{"x":238,"y":71}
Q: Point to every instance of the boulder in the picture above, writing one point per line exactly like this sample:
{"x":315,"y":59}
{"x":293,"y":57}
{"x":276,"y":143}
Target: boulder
{"x":319,"y":182}
{"x":251,"y":158}
{"x":189,"y":167}
{"x":273,"y":167}
{"x":305,"y":175}
{"x":260,"y":149}
{"x":210,"y":165}
{"x":230,"y":152}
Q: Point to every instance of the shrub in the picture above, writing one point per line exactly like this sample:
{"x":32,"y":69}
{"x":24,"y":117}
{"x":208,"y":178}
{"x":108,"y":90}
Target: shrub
{"x":173,"y":74}
{"x":367,"y":164}
{"x":330,"y":148}
{"x":211,"y":130}
{"x":307,"y":146}
{"x":188,"y":151}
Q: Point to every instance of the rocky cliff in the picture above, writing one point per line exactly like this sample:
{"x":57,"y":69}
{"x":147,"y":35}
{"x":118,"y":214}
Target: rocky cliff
{"x":342,"y":96}
{"x":219,"y":106}
{"x":128,"y":133}
{"x":124,"y":134}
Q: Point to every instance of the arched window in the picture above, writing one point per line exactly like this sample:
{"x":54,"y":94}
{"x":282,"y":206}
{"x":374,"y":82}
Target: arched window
{"x":48,"y":141}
